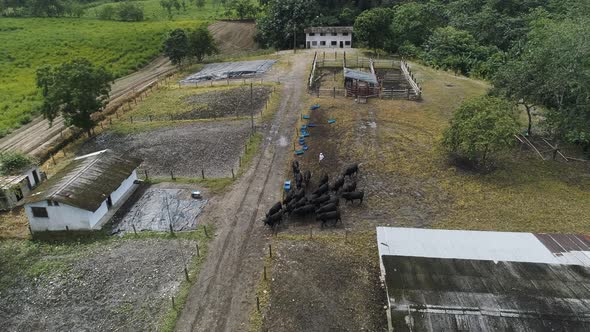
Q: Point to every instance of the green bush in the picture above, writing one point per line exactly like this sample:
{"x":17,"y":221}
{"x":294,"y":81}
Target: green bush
{"x":13,"y":162}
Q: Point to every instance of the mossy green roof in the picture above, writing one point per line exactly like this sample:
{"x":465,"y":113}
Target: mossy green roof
{"x":87,"y":181}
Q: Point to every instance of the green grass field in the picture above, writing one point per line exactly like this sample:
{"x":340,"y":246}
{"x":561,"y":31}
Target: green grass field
{"x":122,"y":47}
{"x":154,"y":12}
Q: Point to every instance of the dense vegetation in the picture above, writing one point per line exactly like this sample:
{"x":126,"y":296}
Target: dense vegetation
{"x":183,"y":45}
{"x":13,"y":162}
{"x":534,"y":51}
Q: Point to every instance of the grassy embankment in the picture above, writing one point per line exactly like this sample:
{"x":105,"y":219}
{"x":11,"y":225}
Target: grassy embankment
{"x":122,"y":47}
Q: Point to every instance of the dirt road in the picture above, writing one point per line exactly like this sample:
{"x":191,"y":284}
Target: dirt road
{"x":37,"y":136}
{"x":224,"y":293}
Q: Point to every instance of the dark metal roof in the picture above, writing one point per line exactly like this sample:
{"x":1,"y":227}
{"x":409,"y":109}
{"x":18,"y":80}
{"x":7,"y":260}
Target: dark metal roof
{"x":87,"y":181}
{"x":360,"y":75}
{"x":447,"y":294}
{"x":328,"y":29}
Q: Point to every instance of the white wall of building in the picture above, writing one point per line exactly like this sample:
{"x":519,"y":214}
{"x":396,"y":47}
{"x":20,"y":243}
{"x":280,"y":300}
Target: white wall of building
{"x":75,"y":218}
{"x":58,"y":217}
{"x":328,"y":40}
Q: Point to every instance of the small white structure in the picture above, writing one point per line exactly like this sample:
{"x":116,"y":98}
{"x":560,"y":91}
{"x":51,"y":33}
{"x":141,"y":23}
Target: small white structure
{"x":13,"y":188}
{"x":84,"y":195}
{"x":328,"y":37}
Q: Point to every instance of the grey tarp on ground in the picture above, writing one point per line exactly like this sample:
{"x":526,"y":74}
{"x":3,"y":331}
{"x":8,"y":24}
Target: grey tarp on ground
{"x":223,"y":70}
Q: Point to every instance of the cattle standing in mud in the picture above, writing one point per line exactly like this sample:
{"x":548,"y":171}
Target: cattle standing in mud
{"x":274,"y":219}
{"x":354,"y":195}
{"x":324,"y":179}
{"x":333,"y":200}
{"x":274,"y":209}
{"x":337,"y":184}
{"x":350,"y":170}
{"x":349,"y":186}
{"x":307,"y":178}
{"x":332,"y":215}
{"x":322,"y":189}
{"x":321,"y":199}
{"x":298,"y":180}
{"x":327,"y":208}
{"x":304,"y":210}
{"x":295,"y":166}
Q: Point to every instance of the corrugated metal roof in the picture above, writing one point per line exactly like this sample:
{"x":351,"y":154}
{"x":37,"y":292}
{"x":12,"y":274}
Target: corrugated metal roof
{"x":7,"y":182}
{"x":495,"y":246}
{"x":360,"y":75}
{"x":222,"y":70}
{"x":328,"y":29}
{"x":442,"y":294}
{"x":448,"y":280}
{"x":87,"y":181}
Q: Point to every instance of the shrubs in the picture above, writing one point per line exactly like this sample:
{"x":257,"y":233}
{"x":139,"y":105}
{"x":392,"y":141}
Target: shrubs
{"x":13,"y":162}
{"x":481,"y":127}
{"x":124,"y":11}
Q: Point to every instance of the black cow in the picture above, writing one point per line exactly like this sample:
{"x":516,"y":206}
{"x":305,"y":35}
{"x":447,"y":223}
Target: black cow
{"x":327,"y":208}
{"x":289,"y":197}
{"x":298,"y":180}
{"x":319,"y":200}
{"x":337,"y":184}
{"x":349,"y":186}
{"x":307,"y":178}
{"x":324,"y":179}
{"x":274,"y":209}
{"x":354,"y":195}
{"x":322,"y":189}
{"x":304,"y":210}
{"x":274,"y":219}
{"x":332,"y":215}
{"x":351,"y":169}
{"x":333,"y":200}
{"x":301,"y":202}
{"x":295,"y":166}
{"x":300,"y":193}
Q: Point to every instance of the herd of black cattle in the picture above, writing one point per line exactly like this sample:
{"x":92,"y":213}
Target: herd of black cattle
{"x":323,"y":202}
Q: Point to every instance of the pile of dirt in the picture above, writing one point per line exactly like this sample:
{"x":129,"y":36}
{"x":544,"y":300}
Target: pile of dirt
{"x":320,"y":286}
{"x":184,"y":148}
{"x":234,"y":37}
{"x":225,"y":103}
{"x":123,"y":285}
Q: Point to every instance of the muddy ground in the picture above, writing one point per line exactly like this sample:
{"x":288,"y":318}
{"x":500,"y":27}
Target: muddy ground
{"x":183,"y":148}
{"x":225,"y":103}
{"x":122,"y":285}
{"x":320,"y":285}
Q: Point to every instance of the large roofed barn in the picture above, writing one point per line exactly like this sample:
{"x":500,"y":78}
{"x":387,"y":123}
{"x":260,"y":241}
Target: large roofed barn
{"x":81,"y":195}
{"x":445,"y":280}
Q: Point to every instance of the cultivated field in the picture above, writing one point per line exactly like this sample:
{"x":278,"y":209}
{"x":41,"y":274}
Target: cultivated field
{"x":115,"y":284}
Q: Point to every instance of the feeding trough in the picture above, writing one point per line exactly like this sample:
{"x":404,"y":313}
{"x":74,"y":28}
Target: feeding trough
{"x":303,"y":127}
{"x":331,"y":121}
{"x":306,"y":117}
{"x":305,"y":147}
{"x":304,"y":133}
{"x":287,"y":185}
{"x":311,"y":125}
{"x":314,"y":107}
{"x":301,"y":141}
{"x":298,"y":152}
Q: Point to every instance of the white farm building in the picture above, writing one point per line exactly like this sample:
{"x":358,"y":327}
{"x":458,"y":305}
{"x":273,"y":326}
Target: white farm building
{"x":84,"y":194}
{"x":328,"y":37}
{"x":13,"y":188}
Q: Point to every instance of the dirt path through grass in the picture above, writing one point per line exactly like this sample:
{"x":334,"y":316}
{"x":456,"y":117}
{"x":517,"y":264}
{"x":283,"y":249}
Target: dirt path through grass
{"x":224,"y":293}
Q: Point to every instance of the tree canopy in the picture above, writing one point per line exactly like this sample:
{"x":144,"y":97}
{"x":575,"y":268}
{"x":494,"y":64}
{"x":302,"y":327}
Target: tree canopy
{"x":481,"y":127}
{"x":176,"y":46}
{"x":13,"y":162}
{"x":201,"y":43}
{"x":75,"y":89}
{"x":372,"y":27}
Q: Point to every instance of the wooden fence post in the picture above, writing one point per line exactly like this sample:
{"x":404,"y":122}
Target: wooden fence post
{"x":270,"y":250}
{"x":203,"y":173}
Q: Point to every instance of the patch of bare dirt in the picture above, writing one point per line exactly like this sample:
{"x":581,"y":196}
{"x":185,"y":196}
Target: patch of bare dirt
{"x":234,"y":37}
{"x":124,"y":285}
{"x":323,"y":286}
{"x":233,"y":102}
{"x":185,"y":149}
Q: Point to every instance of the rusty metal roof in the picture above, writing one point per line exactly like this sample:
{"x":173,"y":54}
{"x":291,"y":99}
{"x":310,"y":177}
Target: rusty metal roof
{"x":449,"y":280}
{"x":87,"y":181}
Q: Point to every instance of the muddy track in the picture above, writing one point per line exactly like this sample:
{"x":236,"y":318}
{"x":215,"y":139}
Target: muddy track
{"x":223,"y":295}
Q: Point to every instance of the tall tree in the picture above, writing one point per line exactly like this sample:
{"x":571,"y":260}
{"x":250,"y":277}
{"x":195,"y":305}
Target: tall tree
{"x":176,"y":46}
{"x":76,"y":89}
{"x":481,"y":127}
{"x":201,"y":43}
{"x":282,"y":19}
{"x":372,"y":27}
